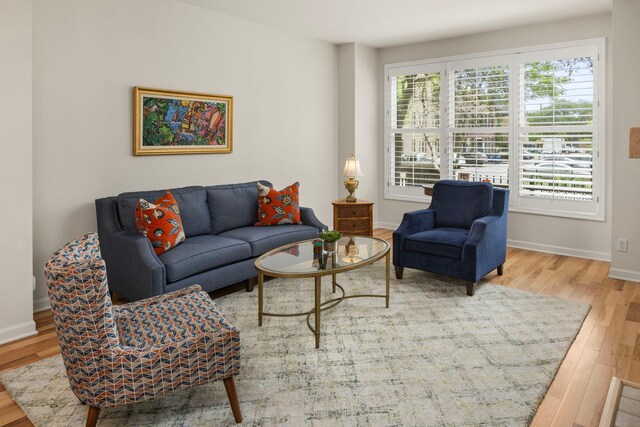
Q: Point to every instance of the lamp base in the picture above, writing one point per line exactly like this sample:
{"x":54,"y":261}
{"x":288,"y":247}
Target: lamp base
{"x":351,"y":184}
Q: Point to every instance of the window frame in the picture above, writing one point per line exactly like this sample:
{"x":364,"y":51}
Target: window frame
{"x":533,"y":205}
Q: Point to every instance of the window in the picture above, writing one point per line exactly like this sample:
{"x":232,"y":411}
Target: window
{"x":557,"y":91}
{"x":479,"y":118}
{"x":530,"y":121}
{"x":415,"y":129}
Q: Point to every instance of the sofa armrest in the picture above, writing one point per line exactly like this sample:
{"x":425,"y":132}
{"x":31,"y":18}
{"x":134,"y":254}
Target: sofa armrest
{"x":486,"y":247}
{"x":107,"y":216}
{"x":412,"y":222}
{"x":491,"y":229}
{"x":309,"y":218}
{"x":481,"y":228}
{"x":133,"y":268}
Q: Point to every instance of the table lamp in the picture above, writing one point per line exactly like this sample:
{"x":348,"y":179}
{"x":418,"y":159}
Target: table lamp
{"x":351,"y":170}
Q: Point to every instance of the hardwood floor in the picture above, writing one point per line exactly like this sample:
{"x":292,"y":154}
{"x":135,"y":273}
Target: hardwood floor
{"x":608,"y":343}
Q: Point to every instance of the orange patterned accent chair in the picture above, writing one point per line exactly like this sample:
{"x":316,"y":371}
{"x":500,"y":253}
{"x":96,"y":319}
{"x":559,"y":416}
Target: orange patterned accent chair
{"x":117,"y":355}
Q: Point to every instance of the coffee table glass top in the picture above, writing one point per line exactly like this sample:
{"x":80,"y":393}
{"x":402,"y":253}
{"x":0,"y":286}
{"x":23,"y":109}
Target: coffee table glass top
{"x":299,"y":259}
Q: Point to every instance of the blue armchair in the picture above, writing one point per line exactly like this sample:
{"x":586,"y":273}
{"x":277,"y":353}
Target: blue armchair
{"x":462,"y":234}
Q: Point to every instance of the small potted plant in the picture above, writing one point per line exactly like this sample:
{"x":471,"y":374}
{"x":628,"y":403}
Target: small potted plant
{"x":330,"y":238}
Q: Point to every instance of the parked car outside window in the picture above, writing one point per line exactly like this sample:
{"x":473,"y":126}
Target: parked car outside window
{"x":556,"y":167}
{"x":474,"y":158}
{"x":571,"y":161}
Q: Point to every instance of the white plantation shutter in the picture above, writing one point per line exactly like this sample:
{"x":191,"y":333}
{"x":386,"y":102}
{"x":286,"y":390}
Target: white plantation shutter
{"x":530,"y":120}
{"x":479,"y":119}
{"x":557,"y":130}
{"x":414,"y":129}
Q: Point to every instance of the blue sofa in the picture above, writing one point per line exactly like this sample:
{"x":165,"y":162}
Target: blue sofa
{"x":221,"y":243}
{"x":462,"y":234}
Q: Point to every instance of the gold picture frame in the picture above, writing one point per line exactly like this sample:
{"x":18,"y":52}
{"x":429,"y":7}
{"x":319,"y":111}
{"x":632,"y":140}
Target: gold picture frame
{"x":171,"y":122}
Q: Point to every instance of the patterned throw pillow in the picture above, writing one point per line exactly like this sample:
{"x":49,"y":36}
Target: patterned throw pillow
{"x":278,"y":207}
{"x":160,"y":222}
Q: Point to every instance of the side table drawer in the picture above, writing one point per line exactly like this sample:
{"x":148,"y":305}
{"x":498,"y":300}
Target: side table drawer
{"x":353,"y":225}
{"x":353,"y":211}
{"x":358,"y":233}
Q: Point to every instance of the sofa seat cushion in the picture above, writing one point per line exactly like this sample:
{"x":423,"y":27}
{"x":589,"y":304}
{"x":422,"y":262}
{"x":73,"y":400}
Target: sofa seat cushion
{"x":201,"y":253}
{"x":263,"y":239}
{"x":163,"y":320}
{"x":443,"y":241}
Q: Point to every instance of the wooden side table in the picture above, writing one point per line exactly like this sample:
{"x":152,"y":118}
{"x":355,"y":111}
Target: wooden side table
{"x":353,"y":218}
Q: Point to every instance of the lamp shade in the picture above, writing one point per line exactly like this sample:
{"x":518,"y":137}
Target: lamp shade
{"x":352,"y":167}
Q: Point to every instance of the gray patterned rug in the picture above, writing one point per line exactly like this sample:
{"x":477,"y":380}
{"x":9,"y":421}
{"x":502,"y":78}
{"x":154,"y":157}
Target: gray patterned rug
{"x":435,"y":357}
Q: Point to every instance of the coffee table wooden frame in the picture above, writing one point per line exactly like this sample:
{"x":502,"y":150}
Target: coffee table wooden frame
{"x":317,"y":275}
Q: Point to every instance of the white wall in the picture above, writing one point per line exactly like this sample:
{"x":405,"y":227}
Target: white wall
{"x":626,"y":109}
{"x":358,"y":81}
{"x":569,"y":236}
{"x":367,"y":114}
{"x":16,"y":293}
{"x":87,"y":56}
{"x":346,"y":112}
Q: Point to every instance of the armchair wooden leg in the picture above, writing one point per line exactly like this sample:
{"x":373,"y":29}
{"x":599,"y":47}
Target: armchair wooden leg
{"x":500,"y":269}
{"x":92,"y":416}
{"x":399,"y":271}
{"x":250,"y":284}
{"x":471,"y":288}
{"x":233,"y":398}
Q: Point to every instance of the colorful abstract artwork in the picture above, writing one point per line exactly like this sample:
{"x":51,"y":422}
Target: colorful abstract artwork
{"x":168,"y":122}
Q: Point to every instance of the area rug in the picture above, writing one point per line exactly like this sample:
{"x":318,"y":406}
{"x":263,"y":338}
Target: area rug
{"x":435,"y":357}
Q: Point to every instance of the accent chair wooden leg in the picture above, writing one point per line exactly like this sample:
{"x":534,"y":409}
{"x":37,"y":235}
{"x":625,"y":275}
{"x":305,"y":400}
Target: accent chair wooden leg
{"x":229,"y":385}
{"x":399,"y":271}
{"x":250,"y":284}
{"x":471,"y":288}
{"x":500,"y":270}
{"x":92,"y":416}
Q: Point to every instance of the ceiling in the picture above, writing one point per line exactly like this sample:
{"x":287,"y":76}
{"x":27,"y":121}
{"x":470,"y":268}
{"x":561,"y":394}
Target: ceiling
{"x":383,"y":23}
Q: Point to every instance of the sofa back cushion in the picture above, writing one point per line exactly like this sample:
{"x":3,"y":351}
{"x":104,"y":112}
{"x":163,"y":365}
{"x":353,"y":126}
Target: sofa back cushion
{"x":458,"y":203}
{"x":233,"y":205}
{"x":192,"y":202}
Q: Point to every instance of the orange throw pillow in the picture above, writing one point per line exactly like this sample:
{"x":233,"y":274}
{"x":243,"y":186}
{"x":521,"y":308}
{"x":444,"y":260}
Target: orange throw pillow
{"x":160,"y":222}
{"x":278,"y":207}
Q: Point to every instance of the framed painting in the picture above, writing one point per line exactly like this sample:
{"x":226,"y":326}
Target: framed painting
{"x":169,"y":122}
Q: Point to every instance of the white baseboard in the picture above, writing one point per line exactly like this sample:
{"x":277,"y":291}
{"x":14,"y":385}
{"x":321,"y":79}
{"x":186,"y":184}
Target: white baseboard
{"x":559,"y":250}
{"x":539,"y":247}
{"x":41,"y":304}
{"x":15,"y":332}
{"x":620,"y":273}
{"x":387,"y":225}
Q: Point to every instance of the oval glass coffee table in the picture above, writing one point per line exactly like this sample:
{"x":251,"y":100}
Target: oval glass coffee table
{"x":298,"y":260}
